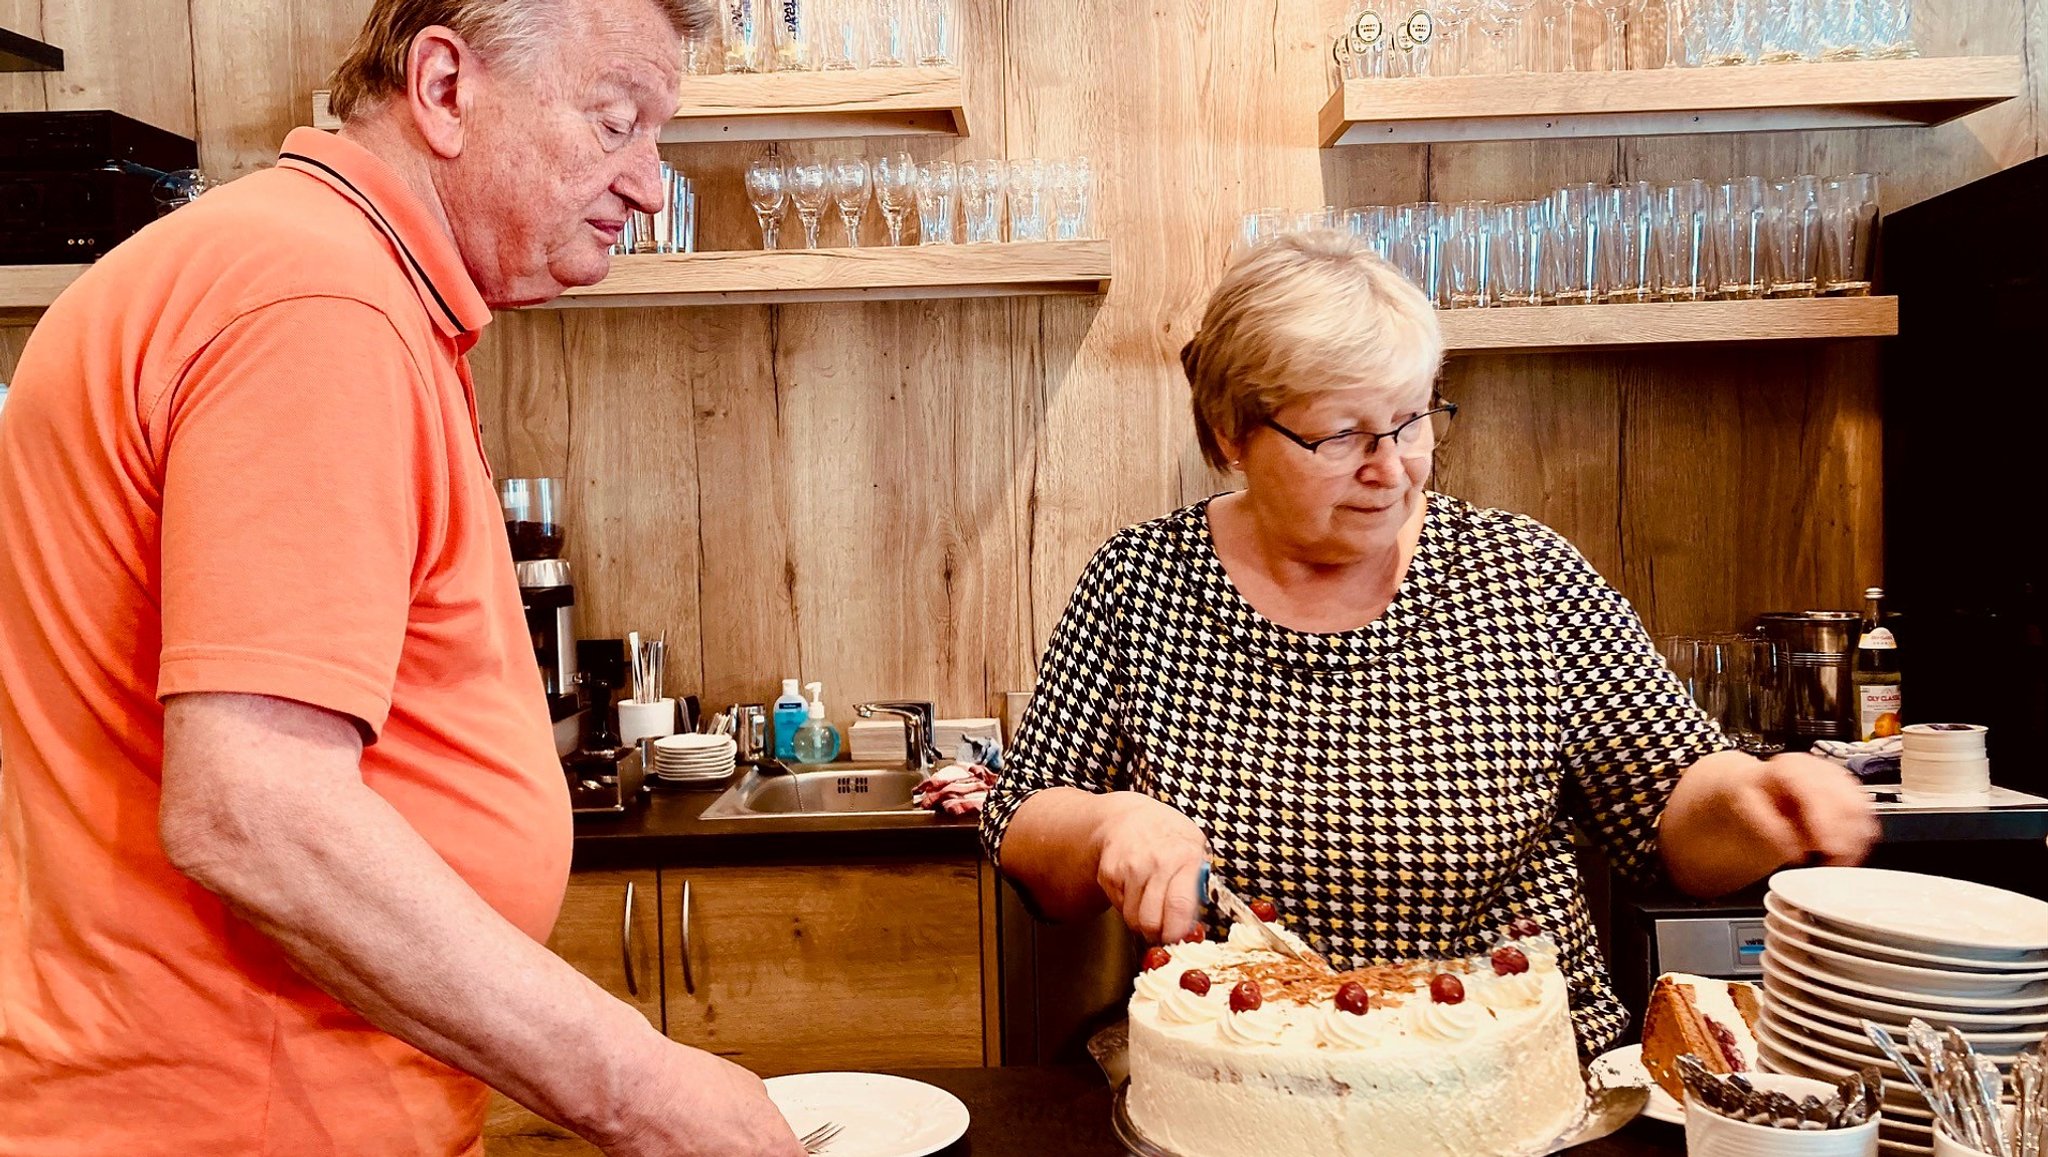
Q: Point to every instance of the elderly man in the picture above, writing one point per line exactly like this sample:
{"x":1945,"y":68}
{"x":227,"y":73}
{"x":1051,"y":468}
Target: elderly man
{"x":282,"y":822}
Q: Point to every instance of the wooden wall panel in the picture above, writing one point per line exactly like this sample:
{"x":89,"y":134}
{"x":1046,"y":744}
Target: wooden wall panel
{"x":895,"y":498}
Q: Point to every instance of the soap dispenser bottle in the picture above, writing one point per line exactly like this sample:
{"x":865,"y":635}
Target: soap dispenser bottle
{"x":790,"y":714}
{"x":816,"y":741}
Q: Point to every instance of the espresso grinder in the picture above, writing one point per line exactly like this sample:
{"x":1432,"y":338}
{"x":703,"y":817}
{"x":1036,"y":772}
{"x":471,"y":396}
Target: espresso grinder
{"x":533,"y":524}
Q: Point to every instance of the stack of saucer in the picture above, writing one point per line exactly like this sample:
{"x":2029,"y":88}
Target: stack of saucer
{"x":1944,"y":759}
{"x":693,"y":758}
{"x":1845,"y":945}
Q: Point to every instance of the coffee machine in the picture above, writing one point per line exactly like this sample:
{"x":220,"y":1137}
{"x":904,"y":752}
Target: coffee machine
{"x":534,"y":527}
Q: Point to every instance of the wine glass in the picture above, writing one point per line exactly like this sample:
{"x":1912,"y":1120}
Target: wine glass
{"x":1454,"y":26}
{"x":937,"y":193}
{"x":810,"y":188}
{"x":1513,"y":16}
{"x":849,"y":176}
{"x":1614,"y":33}
{"x":896,"y":190}
{"x":768,"y":190}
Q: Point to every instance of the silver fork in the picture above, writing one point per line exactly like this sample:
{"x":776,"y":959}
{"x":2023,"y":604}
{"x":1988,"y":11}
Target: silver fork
{"x":816,"y":1140}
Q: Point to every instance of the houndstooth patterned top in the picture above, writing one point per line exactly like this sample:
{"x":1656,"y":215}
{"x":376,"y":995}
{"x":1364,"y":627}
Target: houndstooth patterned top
{"x":1403,"y":790}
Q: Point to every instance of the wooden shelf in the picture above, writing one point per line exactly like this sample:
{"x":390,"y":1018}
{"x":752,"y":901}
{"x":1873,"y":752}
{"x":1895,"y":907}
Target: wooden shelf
{"x":753,"y":277}
{"x":1850,"y":94}
{"x":1563,"y":327}
{"x":27,"y":290}
{"x":19,"y":53}
{"x":793,"y":106}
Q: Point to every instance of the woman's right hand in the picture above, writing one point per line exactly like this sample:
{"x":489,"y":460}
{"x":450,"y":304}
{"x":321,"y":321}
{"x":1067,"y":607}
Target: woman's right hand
{"x":1148,"y":857}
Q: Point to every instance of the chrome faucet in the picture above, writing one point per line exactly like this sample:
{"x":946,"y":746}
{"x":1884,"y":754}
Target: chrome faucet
{"x":919,"y":717}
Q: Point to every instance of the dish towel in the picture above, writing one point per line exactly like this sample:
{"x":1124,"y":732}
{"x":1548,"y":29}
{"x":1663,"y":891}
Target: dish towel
{"x":1872,"y":761}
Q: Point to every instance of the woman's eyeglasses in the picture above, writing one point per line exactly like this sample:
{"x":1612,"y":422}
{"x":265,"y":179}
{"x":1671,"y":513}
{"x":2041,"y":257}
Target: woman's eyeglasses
{"x":1417,"y":437}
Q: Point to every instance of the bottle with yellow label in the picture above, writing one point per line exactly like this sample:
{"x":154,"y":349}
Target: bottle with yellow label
{"x":1876,"y":673}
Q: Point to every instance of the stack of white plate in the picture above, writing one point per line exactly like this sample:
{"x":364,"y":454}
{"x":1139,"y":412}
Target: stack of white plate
{"x":1842,"y":945}
{"x":693,"y":758}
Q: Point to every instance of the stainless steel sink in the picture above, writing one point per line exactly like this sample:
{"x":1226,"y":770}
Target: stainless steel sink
{"x":818,"y":790}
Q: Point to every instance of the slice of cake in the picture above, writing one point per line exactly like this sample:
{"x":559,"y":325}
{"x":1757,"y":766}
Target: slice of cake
{"x":1714,"y":1020}
{"x":1236,"y":1051}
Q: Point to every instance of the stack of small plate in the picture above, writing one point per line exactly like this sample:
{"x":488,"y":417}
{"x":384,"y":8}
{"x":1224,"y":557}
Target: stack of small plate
{"x":1842,"y":945}
{"x":693,"y":758}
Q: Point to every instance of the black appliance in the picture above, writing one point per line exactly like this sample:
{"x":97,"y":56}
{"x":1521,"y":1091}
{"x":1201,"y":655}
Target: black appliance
{"x":75,"y":184}
{"x":1964,"y":409}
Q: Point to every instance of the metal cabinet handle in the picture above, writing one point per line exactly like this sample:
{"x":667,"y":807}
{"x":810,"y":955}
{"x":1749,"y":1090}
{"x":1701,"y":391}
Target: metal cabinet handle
{"x":689,"y":980}
{"x":626,"y":943}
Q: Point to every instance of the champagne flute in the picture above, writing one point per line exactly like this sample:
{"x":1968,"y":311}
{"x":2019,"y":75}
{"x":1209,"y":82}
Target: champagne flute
{"x":810,"y":188}
{"x":768,"y":190}
{"x":896,"y":190}
{"x":849,"y":177}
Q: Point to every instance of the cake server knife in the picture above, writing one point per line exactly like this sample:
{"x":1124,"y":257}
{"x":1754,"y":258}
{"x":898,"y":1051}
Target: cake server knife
{"x":1213,"y":892}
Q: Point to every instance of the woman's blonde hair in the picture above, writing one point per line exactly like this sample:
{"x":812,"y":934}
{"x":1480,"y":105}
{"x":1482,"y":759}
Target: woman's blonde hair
{"x":503,"y":31}
{"x":1301,"y":314}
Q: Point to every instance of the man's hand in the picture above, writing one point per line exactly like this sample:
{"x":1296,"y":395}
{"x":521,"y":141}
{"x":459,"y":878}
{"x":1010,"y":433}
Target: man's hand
{"x":1734,"y":819}
{"x":1148,"y":857}
{"x":691,"y":1103}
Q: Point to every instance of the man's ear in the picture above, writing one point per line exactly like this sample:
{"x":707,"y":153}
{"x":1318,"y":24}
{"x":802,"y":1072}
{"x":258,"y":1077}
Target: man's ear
{"x":441,"y":75}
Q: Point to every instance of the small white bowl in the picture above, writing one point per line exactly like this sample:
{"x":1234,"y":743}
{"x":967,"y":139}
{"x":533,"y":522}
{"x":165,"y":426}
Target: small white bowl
{"x":1709,"y":1134}
{"x":1947,"y":1146}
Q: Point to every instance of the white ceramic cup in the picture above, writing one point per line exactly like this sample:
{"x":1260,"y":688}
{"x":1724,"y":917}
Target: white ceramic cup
{"x":1709,"y":1134}
{"x":638,"y":721}
{"x":1947,"y":1146}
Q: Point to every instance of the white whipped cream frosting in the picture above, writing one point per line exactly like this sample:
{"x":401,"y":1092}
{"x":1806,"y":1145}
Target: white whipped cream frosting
{"x":1156,"y":983}
{"x":1523,"y":990}
{"x":1185,"y":1008}
{"x":1260,"y":1026}
{"x":1348,"y":1030}
{"x":1450,"y":1022}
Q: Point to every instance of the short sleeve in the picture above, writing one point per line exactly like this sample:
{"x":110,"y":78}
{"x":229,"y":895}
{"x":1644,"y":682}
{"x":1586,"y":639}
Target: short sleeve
{"x":1071,"y":735}
{"x":294,"y":473}
{"x":1629,"y":728}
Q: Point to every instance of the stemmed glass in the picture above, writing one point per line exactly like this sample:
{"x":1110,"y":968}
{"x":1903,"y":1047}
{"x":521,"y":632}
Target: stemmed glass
{"x":1513,"y":15}
{"x":896,"y":190}
{"x":768,"y":189}
{"x":850,"y":193}
{"x":1614,"y":33}
{"x":1453,"y":28}
{"x":810,"y":187}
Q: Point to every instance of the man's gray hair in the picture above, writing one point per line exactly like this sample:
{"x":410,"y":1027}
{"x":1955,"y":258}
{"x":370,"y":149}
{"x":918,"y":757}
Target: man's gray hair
{"x":512,"y":32}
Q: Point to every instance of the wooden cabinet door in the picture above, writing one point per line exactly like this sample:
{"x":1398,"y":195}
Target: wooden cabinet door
{"x":788,"y":969}
{"x":610,"y":931}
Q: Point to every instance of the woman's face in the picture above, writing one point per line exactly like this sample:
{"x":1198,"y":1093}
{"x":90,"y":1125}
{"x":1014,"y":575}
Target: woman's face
{"x":1339,"y":504}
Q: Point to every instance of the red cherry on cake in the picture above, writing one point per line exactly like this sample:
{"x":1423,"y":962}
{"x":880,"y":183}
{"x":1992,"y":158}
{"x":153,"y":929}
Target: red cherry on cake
{"x":1246,"y":996}
{"x":1525,"y":927}
{"x":1265,"y":910}
{"x":1195,"y":981}
{"x":1197,"y":936}
{"x":1156,"y":957}
{"x":1446,"y":989}
{"x":1509,"y":961}
{"x":1352,"y":998}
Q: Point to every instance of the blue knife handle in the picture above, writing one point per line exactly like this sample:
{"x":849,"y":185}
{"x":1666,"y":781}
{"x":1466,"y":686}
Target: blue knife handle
{"x":1202,"y":887}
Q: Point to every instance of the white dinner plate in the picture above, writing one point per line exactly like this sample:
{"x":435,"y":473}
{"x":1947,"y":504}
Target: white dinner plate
{"x":1911,"y":977}
{"x":1624,"y":1066}
{"x":1953,"y":917}
{"x":1844,"y":940}
{"x":2032,"y":1001}
{"x":1893,"y":1012}
{"x":1779,"y":994}
{"x":879,"y":1115}
{"x":1778,"y":1028}
{"x":1812,"y":1023}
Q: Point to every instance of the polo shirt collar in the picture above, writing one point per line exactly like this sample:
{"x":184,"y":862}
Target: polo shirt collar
{"x":425,"y":250}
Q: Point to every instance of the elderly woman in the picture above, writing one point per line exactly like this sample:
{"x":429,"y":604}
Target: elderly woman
{"x":1382,"y":707}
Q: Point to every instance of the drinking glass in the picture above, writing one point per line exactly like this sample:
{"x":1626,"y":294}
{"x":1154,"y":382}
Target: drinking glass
{"x":1369,"y":224}
{"x":938,"y":32}
{"x":1310,"y":220}
{"x":810,"y":186}
{"x":749,"y":35}
{"x":1890,"y":24}
{"x":850,"y":193}
{"x":1739,"y":238}
{"x":1027,"y":200}
{"x":1369,"y":49}
{"x":937,"y":192}
{"x":1728,"y":30}
{"x":981,"y":200}
{"x":1262,"y":225}
{"x":1417,"y":248}
{"x":1785,"y":30}
{"x":1625,"y":241}
{"x":896,"y":190}
{"x":768,"y":191}
{"x":1468,"y":245}
{"x":1513,"y":16}
{"x":1614,"y":33}
{"x":1454,"y":31}
{"x":1793,"y":217}
{"x":795,"y":41}
{"x":842,"y":30}
{"x":1841,"y":30}
{"x":1520,"y":230}
{"x":1684,"y":265}
{"x":1073,"y":197}
{"x":1848,"y":213}
{"x":1409,"y":56}
{"x":1575,"y":224}
{"x":1557,"y":44}
{"x":889,"y":34}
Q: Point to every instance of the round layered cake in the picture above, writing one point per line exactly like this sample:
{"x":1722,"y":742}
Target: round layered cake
{"x":1237,"y":1051}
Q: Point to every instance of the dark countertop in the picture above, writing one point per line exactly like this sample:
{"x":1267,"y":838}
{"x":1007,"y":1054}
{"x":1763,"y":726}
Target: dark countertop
{"x":1063,"y":1111}
{"x":667,"y":831}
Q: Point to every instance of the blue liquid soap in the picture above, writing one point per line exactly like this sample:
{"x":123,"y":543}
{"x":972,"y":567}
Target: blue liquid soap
{"x":816,"y":741}
{"x":790,"y":714}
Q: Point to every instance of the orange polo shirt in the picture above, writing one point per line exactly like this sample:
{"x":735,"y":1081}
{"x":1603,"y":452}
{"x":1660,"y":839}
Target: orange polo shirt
{"x":241,"y":455}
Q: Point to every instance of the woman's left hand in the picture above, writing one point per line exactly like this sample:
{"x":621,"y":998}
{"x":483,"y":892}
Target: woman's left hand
{"x":1734,"y":819}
